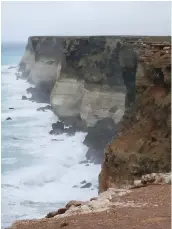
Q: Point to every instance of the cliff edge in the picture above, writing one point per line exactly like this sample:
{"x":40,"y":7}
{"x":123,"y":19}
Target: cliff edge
{"x":144,"y":142}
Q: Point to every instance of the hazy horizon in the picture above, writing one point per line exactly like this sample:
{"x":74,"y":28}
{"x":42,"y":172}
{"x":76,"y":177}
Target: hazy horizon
{"x":21,"y":20}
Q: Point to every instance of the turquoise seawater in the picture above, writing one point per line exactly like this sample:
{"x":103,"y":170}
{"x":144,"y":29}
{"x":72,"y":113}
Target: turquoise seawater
{"x":11,"y":53}
{"x":38,"y":174}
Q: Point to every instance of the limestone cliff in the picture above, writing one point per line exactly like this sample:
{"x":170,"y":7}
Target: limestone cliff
{"x":84,"y":73}
{"x":87,"y":87}
{"x":143,"y":145}
{"x":82,"y":78}
{"x":41,"y":63}
{"x":90,"y":83}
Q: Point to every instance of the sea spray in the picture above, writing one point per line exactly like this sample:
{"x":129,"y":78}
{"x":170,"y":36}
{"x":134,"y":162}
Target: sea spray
{"x":38,"y":175}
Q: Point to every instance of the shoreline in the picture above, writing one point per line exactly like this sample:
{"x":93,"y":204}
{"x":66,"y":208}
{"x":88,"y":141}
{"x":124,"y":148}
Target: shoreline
{"x":55,"y":144}
{"x":152,"y":202}
{"x":134,"y":157}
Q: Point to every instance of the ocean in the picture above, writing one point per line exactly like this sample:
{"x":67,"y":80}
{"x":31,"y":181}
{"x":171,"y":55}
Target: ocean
{"x":38,"y":174}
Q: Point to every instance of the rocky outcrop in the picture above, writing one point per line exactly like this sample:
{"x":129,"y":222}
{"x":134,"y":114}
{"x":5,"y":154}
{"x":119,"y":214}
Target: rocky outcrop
{"x":110,"y":197}
{"x":143,"y":145}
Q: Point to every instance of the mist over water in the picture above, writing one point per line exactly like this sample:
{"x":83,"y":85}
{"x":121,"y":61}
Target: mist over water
{"x":38,"y":174}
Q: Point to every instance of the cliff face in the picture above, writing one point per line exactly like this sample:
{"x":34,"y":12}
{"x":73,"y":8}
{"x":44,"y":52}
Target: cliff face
{"x":71,"y":97}
{"x":90,"y":80}
{"x":86,"y":78}
{"x":84,"y":73}
{"x":83,"y":77}
{"x":143,"y":145}
{"x":41,"y":63}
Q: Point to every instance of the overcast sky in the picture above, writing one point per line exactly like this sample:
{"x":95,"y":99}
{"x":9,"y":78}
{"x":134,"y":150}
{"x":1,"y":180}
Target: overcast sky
{"x":23,"y":19}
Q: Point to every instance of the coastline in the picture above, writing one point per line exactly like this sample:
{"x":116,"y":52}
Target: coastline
{"x":141,"y":208}
{"x":69,"y":98}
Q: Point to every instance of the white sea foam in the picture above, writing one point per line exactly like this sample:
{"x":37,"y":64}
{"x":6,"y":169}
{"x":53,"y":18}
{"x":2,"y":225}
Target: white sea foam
{"x":38,"y":173}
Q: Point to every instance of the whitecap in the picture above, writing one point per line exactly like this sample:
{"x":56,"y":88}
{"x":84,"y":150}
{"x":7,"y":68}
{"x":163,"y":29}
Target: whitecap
{"x":44,"y":171}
